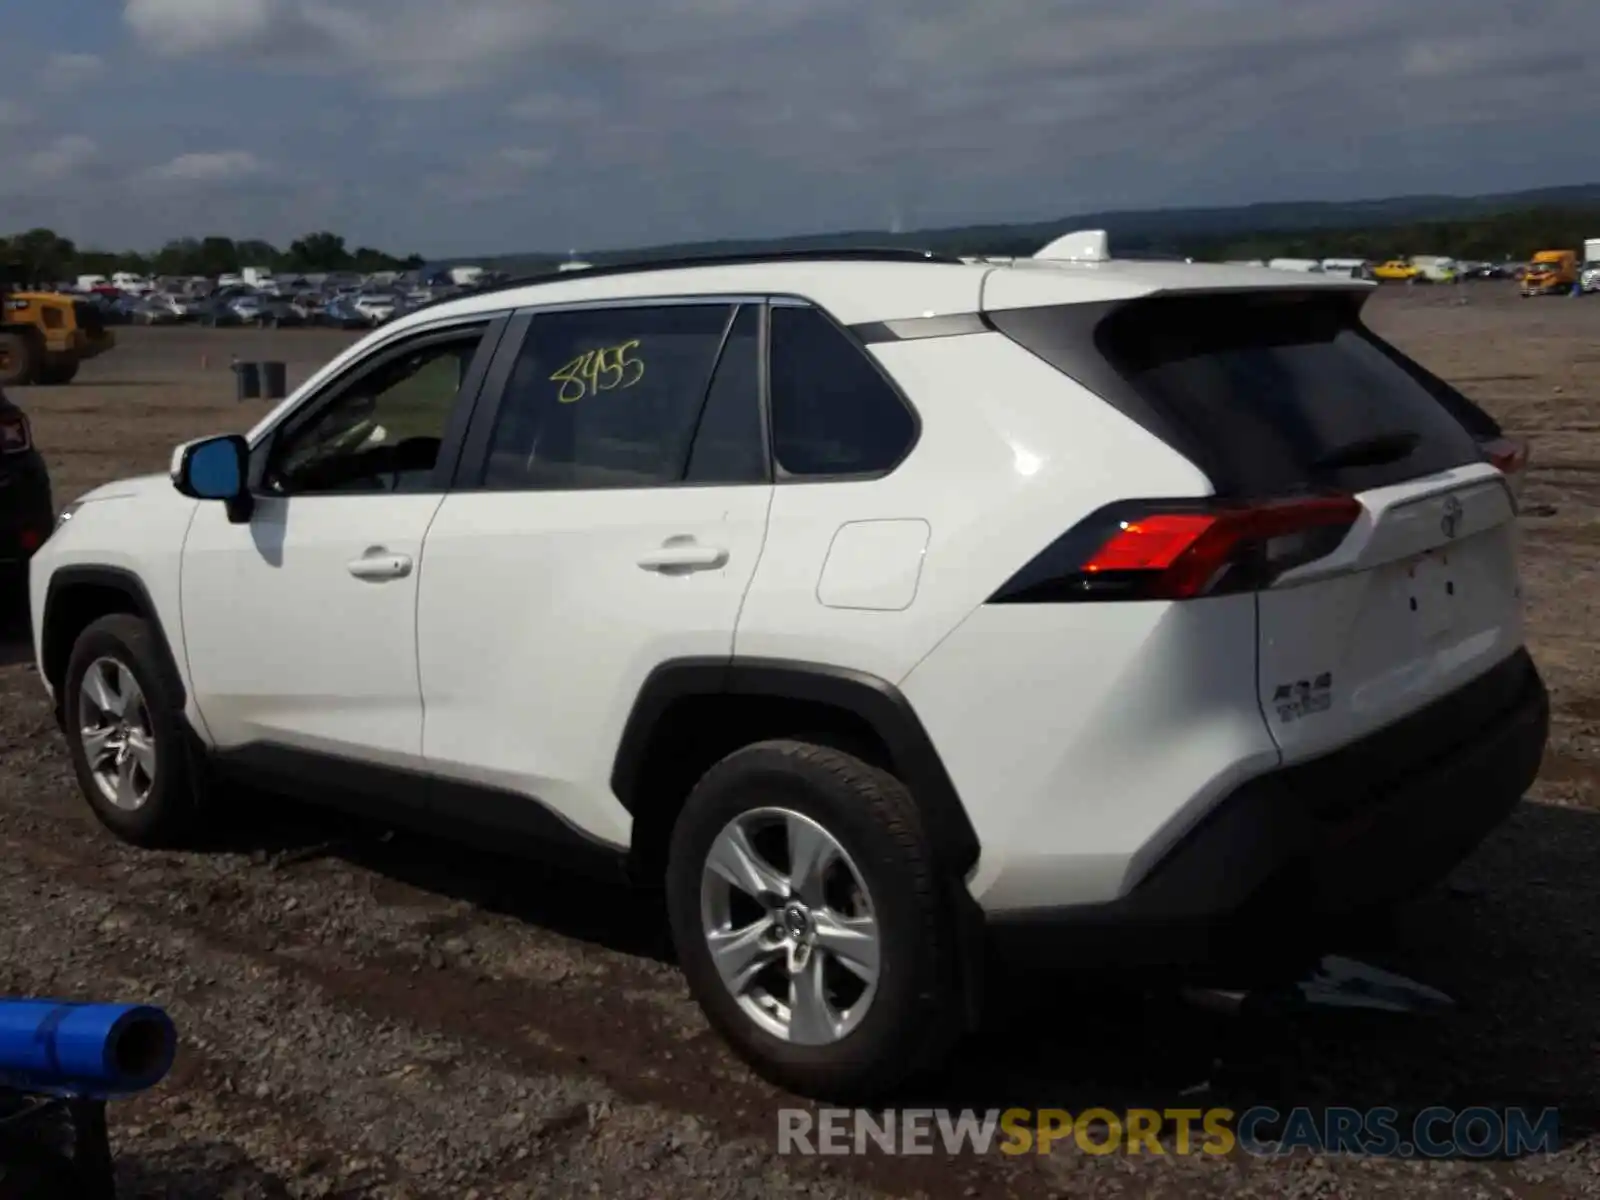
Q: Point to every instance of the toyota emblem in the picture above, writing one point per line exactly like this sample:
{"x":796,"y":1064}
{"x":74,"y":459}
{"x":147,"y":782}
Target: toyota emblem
{"x":1451,"y":521}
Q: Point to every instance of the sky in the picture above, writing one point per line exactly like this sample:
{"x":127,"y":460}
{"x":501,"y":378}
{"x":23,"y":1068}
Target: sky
{"x":460,"y":127}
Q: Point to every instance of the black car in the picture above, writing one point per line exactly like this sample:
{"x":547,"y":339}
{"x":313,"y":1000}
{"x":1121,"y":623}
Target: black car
{"x":27,"y":513}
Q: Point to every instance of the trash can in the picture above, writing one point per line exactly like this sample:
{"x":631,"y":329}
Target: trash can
{"x":274,"y":380}
{"x":247,"y":381}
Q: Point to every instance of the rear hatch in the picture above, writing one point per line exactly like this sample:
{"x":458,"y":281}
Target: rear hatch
{"x":1353,"y":497}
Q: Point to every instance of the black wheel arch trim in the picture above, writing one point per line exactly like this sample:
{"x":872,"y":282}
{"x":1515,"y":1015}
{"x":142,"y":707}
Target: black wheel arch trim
{"x":874,"y":701}
{"x":117,"y":579}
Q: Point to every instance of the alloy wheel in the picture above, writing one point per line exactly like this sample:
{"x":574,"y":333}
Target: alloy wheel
{"x":118,"y":741}
{"x":791,"y":926}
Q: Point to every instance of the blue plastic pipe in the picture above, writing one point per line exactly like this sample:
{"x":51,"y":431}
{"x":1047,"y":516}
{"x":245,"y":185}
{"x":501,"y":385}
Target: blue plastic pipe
{"x":85,"y":1049}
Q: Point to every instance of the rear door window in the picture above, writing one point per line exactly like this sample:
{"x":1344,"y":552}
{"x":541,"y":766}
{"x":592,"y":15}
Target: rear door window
{"x":607,"y":398}
{"x":730,"y":445}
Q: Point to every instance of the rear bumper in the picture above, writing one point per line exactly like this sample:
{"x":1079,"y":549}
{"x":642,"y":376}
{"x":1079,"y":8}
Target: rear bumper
{"x":1284,"y":856}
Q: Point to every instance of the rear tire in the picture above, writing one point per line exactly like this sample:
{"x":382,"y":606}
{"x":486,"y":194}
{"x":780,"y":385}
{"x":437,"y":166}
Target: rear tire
{"x":865,"y":1037}
{"x":18,"y":359}
{"x":126,"y":735}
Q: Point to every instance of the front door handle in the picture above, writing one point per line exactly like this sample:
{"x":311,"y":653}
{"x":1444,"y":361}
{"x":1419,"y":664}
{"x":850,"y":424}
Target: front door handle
{"x":676,"y":556}
{"x":377,"y":564}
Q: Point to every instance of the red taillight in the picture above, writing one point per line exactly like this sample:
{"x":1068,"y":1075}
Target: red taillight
{"x":1150,"y":550}
{"x":15,"y":436}
{"x":1510,"y":458}
{"x":1151,"y":543}
{"x":1507,"y":454}
{"x":31,"y":540}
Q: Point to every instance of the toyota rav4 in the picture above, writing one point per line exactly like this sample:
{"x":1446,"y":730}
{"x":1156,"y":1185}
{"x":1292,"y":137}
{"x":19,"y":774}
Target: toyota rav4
{"x":889,"y":613}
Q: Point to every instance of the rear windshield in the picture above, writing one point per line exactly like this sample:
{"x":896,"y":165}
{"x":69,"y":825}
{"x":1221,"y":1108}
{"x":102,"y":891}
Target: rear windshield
{"x":1268,"y":392}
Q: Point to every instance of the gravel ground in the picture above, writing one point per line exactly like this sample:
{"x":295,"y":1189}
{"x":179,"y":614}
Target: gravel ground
{"x":371,"y":1014}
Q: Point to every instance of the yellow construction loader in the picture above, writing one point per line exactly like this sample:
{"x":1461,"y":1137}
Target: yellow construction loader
{"x":44,"y":336}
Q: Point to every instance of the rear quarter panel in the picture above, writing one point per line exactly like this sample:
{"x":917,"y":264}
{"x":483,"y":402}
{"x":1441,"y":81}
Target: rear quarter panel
{"x":1011,"y":453}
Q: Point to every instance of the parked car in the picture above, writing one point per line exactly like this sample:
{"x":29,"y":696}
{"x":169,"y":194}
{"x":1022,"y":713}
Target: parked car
{"x":124,"y":309}
{"x":179,"y":308}
{"x":26,"y":509}
{"x":247,"y":308}
{"x":375,"y":307}
{"x":1590,"y":276}
{"x":276,"y":311}
{"x":341,"y":313}
{"x":1398,"y":270}
{"x":1199,"y":663}
{"x":155,"y":310}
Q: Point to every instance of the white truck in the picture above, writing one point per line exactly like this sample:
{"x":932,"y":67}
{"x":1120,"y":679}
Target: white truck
{"x":1589,"y":271}
{"x":1436,"y":268}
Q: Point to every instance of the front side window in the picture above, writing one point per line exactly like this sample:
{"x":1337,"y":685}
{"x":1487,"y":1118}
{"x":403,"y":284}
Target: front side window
{"x":382,"y":431}
{"x":609,"y":398}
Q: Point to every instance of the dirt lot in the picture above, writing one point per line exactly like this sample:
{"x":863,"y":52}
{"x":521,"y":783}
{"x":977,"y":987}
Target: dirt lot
{"x":366,"y":1015}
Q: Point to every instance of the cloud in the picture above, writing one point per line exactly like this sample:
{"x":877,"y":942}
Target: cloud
{"x":524,"y":158}
{"x":678,"y":118}
{"x":554,"y":108}
{"x":225,"y":166}
{"x":184,"y":27}
{"x":406,"y":47}
{"x":14,"y":114}
{"x":62,"y":159}
{"x":72,"y":69}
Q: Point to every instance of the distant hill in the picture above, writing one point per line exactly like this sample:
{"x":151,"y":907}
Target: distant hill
{"x":1244,"y":231}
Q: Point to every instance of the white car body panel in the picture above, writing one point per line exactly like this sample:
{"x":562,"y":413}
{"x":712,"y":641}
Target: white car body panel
{"x":286,"y":646}
{"x":993,"y":475}
{"x":537,"y":626}
{"x":136,"y":525}
{"x":1401,"y":614}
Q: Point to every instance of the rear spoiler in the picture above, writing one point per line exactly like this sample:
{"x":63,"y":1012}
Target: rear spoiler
{"x":1083,"y":245}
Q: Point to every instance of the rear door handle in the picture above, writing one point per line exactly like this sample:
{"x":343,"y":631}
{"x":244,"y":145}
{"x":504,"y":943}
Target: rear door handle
{"x":378,"y":564}
{"x":684,"y":556}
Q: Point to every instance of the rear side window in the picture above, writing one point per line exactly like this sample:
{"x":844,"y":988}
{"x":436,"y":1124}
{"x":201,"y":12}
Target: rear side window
{"x":607,"y":398}
{"x":833,"y":412}
{"x":1269,"y":393}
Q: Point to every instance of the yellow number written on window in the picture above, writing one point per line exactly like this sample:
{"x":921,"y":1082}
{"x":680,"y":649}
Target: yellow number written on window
{"x":603,"y":370}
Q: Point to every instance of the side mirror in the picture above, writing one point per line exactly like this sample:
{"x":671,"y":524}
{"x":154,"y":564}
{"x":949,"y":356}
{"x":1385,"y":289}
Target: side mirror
{"x":216,"y":469}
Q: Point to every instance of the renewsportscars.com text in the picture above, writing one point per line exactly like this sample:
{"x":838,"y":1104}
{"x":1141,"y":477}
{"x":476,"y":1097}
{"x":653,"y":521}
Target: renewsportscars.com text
{"x":1436,"y":1132}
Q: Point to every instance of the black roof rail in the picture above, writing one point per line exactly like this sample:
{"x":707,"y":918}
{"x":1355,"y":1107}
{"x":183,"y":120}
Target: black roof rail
{"x":822,"y":254}
{"x":891,"y":254}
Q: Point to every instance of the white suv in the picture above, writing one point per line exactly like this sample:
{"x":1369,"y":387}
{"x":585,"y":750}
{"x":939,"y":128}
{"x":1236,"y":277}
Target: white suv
{"x":885,"y":610}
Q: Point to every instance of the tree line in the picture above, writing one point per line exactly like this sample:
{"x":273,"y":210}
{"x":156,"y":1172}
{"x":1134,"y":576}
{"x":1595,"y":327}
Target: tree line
{"x":42,"y":256}
{"x":1493,"y":237}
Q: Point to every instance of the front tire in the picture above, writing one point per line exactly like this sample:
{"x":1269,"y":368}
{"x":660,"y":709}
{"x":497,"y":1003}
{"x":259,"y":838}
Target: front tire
{"x":125,"y":733}
{"x":807,"y":916}
{"x":18,"y":359}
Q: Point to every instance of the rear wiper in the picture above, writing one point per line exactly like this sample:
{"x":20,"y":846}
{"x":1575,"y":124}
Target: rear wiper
{"x":1374,"y":451}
